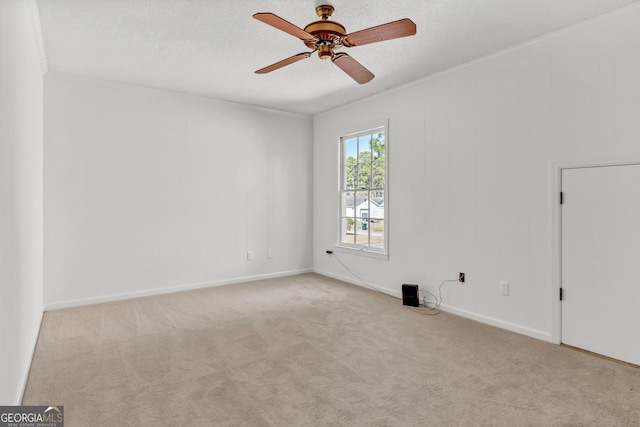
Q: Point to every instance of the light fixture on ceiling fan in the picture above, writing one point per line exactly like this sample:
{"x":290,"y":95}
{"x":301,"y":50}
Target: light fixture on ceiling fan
{"x":325,"y":36}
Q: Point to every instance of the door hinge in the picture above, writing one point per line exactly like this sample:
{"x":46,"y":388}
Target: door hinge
{"x":561,"y":197}
{"x":560,"y":294}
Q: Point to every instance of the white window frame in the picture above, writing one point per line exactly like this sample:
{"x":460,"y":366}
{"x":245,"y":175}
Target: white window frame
{"x":367,"y":250}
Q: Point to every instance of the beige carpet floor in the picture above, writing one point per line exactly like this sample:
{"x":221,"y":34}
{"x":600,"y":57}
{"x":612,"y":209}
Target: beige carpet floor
{"x":311,"y":351}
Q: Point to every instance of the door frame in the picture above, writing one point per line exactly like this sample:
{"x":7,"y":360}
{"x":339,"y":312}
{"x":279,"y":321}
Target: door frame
{"x":556,"y":253}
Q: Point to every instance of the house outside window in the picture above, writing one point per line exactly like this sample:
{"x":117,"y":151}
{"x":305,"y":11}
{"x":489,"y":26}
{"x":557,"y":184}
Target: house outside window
{"x":363,"y":184}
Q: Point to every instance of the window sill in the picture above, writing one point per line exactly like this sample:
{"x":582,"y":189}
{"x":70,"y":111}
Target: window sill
{"x":362,"y":252}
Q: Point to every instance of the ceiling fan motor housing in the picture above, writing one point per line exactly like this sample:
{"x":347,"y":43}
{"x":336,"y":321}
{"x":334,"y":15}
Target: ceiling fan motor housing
{"x":325,"y":31}
{"x":328,"y":34}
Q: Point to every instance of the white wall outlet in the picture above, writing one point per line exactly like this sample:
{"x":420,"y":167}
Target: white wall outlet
{"x":270,"y":253}
{"x":249,"y":255}
{"x":504,"y":287}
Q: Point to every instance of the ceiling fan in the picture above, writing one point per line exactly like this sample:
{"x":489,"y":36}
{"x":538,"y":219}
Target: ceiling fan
{"x":325,"y":36}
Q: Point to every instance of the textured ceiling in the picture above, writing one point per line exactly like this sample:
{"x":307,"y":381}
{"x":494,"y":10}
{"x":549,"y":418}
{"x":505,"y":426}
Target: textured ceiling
{"x":213,"y":47}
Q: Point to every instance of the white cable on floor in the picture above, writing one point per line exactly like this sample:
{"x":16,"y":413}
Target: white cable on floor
{"x":438,"y":300}
{"x":355,"y":275}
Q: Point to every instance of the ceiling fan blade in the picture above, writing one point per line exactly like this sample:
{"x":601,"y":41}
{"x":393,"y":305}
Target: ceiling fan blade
{"x":284,"y":62}
{"x":392,"y":30}
{"x":281,"y":24}
{"x":353,"y":68}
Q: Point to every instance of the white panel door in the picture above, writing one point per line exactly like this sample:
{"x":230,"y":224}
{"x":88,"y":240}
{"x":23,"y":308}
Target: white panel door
{"x":601,"y":260}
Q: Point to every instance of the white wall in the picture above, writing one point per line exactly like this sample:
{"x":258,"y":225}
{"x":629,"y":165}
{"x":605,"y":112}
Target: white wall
{"x":471,"y":158}
{"x":148,"y":191}
{"x":21,"y":68}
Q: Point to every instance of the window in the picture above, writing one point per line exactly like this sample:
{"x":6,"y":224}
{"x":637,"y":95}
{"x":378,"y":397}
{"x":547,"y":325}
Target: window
{"x":363,"y":207}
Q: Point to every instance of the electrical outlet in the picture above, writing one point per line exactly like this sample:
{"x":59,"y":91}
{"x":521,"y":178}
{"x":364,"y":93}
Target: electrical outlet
{"x":461,"y":277}
{"x":504,"y":287}
{"x":249,"y":255}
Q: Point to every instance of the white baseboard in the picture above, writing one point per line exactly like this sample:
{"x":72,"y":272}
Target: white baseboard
{"x":523,"y":330}
{"x":160,"y":291}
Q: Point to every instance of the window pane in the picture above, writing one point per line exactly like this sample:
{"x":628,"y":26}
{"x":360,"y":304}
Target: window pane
{"x":362,"y":232}
{"x":364,"y":175}
{"x":347,"y":234}
{"x":378,"y":173}
{"x":376,"y":206}
{"x":347,"y":204}
{"x":378,"y":145}
{"x":376,"y":230}
{"x":350,"y":174}
{"x":364,"y":145}
{"x":351,"y":150}
{"x":361,"y":203}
